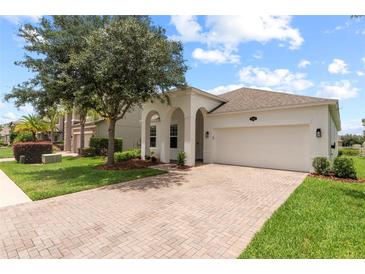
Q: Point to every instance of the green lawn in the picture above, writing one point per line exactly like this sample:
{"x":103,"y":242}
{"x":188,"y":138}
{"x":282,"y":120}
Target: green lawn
{"x":360,"y":166}
{"x":321,"y":219}
{"x":6,"y":152}
{"x":40,"y":181}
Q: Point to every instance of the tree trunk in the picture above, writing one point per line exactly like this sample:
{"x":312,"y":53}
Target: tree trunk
{"x":82,"y":130}
{"x":111,"y":135}
{"x":52,"y":136}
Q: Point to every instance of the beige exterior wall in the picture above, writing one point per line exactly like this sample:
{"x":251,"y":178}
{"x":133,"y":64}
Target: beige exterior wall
{"x":298,"y":127}
{"x":313,"y":117}
{"x":189,"y":102}
{"x":333,"y":138}
{"x":128,"y":128}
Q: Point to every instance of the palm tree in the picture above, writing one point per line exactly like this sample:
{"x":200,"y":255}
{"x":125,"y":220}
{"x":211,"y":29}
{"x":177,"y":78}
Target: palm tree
{"x":31,"y":123}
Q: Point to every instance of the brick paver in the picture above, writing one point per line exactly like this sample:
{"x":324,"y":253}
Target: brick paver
{"x":210,"y":211}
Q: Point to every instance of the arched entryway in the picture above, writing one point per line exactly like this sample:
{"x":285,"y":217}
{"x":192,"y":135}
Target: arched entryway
{"x":176,"y":133}
{"x":152,"y":133}
{"x":199,"y":135}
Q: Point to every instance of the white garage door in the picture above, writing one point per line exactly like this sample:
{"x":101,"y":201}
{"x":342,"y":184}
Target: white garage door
{"x":278,"y":147}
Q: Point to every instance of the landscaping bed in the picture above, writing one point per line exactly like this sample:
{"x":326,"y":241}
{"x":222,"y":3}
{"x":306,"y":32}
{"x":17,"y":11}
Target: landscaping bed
{"x":129,"y":164}
{"x":333,"y":178}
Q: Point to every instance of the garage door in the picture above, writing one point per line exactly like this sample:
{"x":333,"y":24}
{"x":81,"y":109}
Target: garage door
{"x":277,"y":147}
{"x":77,"y":141}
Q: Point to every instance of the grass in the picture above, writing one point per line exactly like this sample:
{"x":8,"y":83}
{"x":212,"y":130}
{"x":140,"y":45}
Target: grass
{"x":40,"y":181}
{"x":360,"y":166}
{"x":321,"y":219}
{"x":6,"y":152}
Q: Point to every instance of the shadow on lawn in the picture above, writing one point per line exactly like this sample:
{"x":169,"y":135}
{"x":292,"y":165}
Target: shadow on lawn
{"x":354,"y":193}
{"x":156,"y":182}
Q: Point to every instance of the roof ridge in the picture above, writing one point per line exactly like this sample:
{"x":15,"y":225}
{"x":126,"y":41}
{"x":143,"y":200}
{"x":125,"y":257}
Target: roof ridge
{"x":275,"y":92}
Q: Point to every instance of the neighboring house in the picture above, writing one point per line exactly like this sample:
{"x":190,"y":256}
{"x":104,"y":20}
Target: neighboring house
{"x":129,"y":129}
{"x":5,"y":134}
{"x":248,"y":127}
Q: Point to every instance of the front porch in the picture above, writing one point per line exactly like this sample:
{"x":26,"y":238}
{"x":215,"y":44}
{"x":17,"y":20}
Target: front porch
{"x":168,"y":129}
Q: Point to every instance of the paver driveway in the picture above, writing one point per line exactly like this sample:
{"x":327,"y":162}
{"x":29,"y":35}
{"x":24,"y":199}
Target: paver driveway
{"x":210,"y":211}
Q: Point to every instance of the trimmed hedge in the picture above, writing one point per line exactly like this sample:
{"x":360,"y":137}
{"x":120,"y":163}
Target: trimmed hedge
{"x":88,"y":152}
{"x":32,"y":151}
{"x":101,"y":145}
{"x":127,"y":155}
{"x":344,"y":168}
{"x":349,"y":151}
{"x":321,"y":165}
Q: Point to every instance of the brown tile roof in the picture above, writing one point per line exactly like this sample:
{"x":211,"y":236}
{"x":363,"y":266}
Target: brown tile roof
{"x":246,"y":99}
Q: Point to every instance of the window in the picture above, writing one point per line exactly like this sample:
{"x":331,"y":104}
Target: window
{"x":173,"y":136}
{"x":152,"y":136}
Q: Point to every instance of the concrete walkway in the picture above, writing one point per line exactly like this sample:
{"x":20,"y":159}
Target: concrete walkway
{"x":7,"y":159}
{"x":10,"y":193}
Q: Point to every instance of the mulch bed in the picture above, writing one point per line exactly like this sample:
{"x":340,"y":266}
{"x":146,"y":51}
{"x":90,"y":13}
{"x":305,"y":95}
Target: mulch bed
{"x":130,"y":164}
{"x":343,"y":180}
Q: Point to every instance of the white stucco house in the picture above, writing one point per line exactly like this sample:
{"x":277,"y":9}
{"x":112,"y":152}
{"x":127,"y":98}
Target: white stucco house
{"x":248,"y":127}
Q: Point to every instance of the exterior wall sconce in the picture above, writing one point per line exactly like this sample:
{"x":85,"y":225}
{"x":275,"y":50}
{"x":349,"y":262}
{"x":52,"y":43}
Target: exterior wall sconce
{"x":319,"y":133}
{"x":253,"y":118}
{"x":207,"y":134}
{"x":334,"y":145}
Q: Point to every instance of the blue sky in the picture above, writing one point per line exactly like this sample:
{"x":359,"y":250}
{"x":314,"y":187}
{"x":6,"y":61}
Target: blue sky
{"x":307,"y":55}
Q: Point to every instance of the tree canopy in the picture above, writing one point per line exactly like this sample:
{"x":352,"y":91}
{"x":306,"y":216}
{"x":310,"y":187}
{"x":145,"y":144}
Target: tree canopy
{"x":125,"y":64}
{"x":111,"y":64}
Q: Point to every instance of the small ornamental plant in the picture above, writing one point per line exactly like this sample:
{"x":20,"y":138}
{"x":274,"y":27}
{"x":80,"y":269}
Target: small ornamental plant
{"x":322,"y":166}
{"x":181,"y":157}
{"x":343,"y":167}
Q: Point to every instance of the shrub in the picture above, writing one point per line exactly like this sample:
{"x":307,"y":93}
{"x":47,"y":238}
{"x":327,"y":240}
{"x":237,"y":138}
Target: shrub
{"x":127,"y":155}
{"x":24,"y":137}
{"x":344,"y":168}
{"x":181,"y":157}
{"x":101,"y":145}
{"x":87,"y":152}
{"x":349,"y":151}
{"x":32,"y":151}
{"x":321,"y":165}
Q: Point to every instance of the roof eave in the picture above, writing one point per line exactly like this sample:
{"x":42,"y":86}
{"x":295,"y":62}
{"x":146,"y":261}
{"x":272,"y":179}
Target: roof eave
{"x":322,"y":103}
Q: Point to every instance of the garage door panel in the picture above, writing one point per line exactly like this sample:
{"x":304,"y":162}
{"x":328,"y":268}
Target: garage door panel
{"x":280,"y":147}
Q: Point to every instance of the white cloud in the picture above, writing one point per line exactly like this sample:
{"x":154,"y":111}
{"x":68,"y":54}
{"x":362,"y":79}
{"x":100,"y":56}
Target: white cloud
{"x":279,"y":79}
{"x":338,"y":66}
{"x":19,"y":19}
{"x":360,"y":73}
{"x":363,"y":60}
{"x":188,"y":28}
{"x":303,"y":63}
{"x":27,"y":109}
{"x":338,"y":90}
{"x":233,"y":30}
{"x":222,"y":89}
{"x":215,"y":56}
{"x":353,"y":126}
{"x":2,"y":105}
{"x":226,"y":33}
{"x":8,"y":117}
{"x":258,"y":55}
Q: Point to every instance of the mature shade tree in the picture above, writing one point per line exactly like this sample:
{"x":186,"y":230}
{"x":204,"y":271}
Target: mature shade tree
{"x":49,"y":45}
{"x":125,"y":64}
{"x":352,"y":139}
